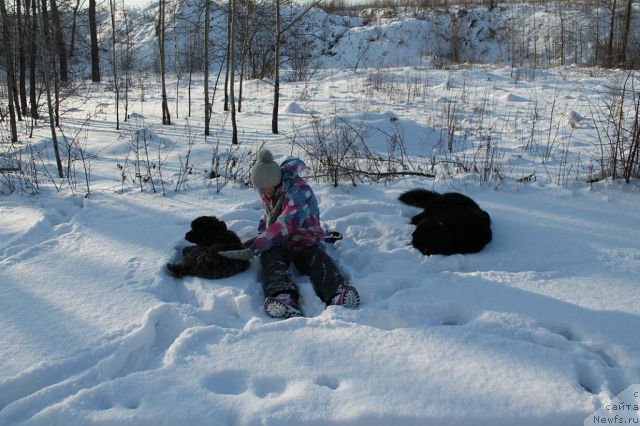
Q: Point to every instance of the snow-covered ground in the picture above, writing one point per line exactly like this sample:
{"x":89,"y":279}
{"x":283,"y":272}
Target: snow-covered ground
{"x":541,"y":327}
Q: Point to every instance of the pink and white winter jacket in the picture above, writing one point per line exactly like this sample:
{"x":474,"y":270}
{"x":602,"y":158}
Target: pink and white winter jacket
{"x":298,"y":223}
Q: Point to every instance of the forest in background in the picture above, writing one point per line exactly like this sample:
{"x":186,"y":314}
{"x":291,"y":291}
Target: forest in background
{"x":51,"y":48}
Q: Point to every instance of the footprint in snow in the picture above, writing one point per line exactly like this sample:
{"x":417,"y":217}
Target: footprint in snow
{"x":233,"y":382}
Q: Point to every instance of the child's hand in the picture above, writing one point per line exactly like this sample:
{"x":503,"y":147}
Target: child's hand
{"x":243,"y":254}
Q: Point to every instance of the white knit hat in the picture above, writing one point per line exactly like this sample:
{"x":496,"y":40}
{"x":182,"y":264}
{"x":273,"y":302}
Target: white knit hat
{"x":265,"y":173}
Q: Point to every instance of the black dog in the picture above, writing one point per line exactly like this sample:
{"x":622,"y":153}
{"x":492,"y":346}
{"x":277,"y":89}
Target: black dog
{"x":450,"y":223}
{"x":211,"y":236}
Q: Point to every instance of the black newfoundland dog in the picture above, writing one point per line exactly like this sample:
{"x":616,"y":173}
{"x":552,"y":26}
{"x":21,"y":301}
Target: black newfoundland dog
{"x":449,"y":223}
{"x":211,"y":236}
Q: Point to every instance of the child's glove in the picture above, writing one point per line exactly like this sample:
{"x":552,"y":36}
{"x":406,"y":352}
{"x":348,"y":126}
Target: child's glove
{"x":243,"y":254}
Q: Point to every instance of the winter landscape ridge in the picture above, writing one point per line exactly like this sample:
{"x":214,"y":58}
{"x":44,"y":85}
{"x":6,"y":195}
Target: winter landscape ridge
{"x":539,"y":328}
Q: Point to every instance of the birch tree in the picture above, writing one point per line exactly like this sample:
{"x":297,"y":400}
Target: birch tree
{"x":46,"y":45}
{"x":166,"y":116}
{"x":234,"y":125}
{"x":10,"y":71}
{"x":114,"y":60}
{"x":95,"y":52}
{"x":61,"y":48}
{"x":276,"y":73}
{"x":33,"y":58}
{"x":207,"y":28}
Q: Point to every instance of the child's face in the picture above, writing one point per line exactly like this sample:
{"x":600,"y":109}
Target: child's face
{"x":268,"y":192}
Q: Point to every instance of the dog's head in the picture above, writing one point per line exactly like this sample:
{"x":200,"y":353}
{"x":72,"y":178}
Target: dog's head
{"x":208,"y":223}
{"x":432,"y":237}
{"x":209,"y":231}
{"x":205,"y":229}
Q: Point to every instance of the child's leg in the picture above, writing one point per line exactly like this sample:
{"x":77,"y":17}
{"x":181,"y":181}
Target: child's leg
{"x":322,"y":270}
{"x":276,"y":276}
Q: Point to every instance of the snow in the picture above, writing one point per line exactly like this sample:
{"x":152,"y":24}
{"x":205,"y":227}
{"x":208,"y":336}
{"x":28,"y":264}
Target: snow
{"x":541,"y":327}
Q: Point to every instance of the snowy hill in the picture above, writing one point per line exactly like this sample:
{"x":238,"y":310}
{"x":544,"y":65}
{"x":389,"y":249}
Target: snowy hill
{"x":515,"y":34}
{"x":539,"y":328}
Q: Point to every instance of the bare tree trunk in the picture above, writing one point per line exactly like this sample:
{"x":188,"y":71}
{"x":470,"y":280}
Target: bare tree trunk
{"x":276,"y":73}
{"x":232,"y":12}
{"x":46,"y":45}
{"x":126,"y":61}
{"x":597,"y":44}
{"x":190,"y":82}
{"x":625,"y":33}
{"x":56,"y":94}
{"x":74,"y":27}
{"x":226,"y":77}
{"x":60,"y":45}
{"x":562,"y":36}
{"x":166,"y":116}
{"x":276,"y":79}
{"x":33,"y":55}
{"x":215,"y":86}
{"x":176,"y":61}
{"x":95,"y":52}
{"x":611,"y":55}
{"x":13,"y":84}
{"x":10,"y":71}
{"x":23,"y":29}
{"x":245,"y":43}
{"x":114,"y":61}
{"x":207,"y":106}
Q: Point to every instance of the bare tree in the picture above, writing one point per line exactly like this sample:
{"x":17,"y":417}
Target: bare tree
{"x":95,"y":52}
{"x":33,"y":57}
{"x":207,"y":27}
{"x":61,"y":48}
{"x":166,"y":116}
{"x":114,"y":60}
{"x":45,"y":41}
{"x":54,"y":107}
{"x":232,"y":14}
{"x":226,"y":77}
{"x":625,"y":33}
{"x":245,"y":45}
{"x":74,"y":27}
{"x":127,"y":59}
{"x":10,"y":71}
{"x":177,"y":62}
{"x":13,"y":83}
{"x":276,"y":72}
{"x":610,"y":53}
{"x":23,"y":29}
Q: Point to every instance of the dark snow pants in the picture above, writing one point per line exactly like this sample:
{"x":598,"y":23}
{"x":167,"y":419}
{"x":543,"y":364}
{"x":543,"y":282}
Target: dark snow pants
{"x":312,"y":261}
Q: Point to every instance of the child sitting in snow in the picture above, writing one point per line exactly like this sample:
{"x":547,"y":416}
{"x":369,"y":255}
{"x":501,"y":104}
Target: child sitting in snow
{"x":290,"y":232}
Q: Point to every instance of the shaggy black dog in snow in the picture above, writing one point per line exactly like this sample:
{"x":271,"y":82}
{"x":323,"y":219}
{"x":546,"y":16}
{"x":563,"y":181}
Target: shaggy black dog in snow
{"x":211,"y":236}
{"x":450,"y":223}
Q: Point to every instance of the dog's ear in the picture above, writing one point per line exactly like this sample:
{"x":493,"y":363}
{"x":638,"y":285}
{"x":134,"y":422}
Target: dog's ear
{"x":193,"y":237}
{"x":208,"y":224}
{"x":217,"y":224}
{"x":198,"y":222}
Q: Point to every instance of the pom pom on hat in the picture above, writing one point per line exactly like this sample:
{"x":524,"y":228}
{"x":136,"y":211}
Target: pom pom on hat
{"x":265,"y":173}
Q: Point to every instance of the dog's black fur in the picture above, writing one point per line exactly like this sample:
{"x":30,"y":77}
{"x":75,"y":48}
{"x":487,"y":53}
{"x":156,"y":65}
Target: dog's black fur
{"x":450,"y":223}
{"x":211,"y":236}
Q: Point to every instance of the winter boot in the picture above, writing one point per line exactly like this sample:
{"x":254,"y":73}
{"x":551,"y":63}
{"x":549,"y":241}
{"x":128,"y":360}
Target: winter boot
{"x":346,"y":296}
{"x":282,"y":306}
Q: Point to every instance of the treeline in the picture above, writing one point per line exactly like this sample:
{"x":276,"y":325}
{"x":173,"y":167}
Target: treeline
{"x":47,"y":46}
{"x":604,"y":34}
